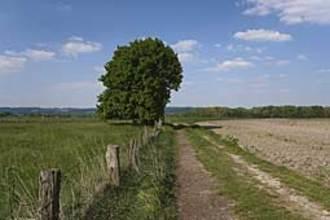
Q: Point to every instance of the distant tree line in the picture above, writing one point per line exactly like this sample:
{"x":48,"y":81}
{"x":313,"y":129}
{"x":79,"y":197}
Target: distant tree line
{"x":46,"y":112}
{"x":5,"y":114}
{"x":287,"y":111}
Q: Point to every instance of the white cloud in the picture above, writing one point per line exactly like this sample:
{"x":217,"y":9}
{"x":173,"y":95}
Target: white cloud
{"x":269,"y":60}
{"x":262,"y":35}
{"x":302,"y":57}
{"x":230,"y":47}
{"x":276,"y":62}
{"x":284,"y":90}
{"x":259,"y":58}
{"x":258,"y":84}
{"x":228,"y":65}
{"x":187,"y":83}
{"x":77,"y":45}
{"x":241,"y":48}
{"x":186,"y":57}
{"x":281,"y":62}
{"x":10,"y":64}
{"x":230,"y":80}
{"x":185,"y":46}
{"x":75,"y":38}
{"x":323,"y":70}
{"x":36,"y":55}
{"x":292,"y":11}
{"x":187,"y":50}
{"x":39,"y":55}
{"x":235,"y":81}
{"x":217,"y":45}
{"x":99,"y":69}
{"x":62,"y":7}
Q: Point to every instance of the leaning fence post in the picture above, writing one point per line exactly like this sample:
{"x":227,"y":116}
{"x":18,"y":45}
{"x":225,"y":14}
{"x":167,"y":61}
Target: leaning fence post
{"x":133,"y":155}
{"x":130,"y":153}
{"x":145,"y":136}
{"x":160,"y":124}
{"x":49,"y":194}
{"x":113,"y":164}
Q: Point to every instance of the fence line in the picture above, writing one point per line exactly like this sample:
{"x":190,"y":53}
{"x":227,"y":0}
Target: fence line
{"x":50,"y":180}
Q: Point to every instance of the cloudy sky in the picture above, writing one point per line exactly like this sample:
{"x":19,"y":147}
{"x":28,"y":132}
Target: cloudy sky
{"x":234,"y":53}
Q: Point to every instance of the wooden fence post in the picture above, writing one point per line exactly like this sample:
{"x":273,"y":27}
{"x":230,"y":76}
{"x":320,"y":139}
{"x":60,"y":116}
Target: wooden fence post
{"x":113,"y":164}
{"x":133,"y":155}
{"x":129,"y":153}
{"x":145,"y":136}
{"x":49,"y":194}
{"x":160,"y":124}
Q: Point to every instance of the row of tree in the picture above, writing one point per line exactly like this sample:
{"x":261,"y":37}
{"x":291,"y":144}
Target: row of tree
{"x":288,"y":111}
{"x":5,"y":114}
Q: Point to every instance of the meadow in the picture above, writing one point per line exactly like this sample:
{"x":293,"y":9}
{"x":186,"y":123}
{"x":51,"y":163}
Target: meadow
{"x":75,"y":146}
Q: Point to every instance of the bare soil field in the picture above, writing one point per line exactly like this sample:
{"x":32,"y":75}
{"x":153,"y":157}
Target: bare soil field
{"x":301,"y":145}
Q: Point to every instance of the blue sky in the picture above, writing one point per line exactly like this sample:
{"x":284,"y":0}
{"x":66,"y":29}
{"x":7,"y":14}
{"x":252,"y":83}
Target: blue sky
{"x":234,"y":53}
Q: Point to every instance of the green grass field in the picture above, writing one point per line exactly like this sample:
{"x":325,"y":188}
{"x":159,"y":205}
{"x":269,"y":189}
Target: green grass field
{"x":76,"y":146}
{"x":148,"y":194}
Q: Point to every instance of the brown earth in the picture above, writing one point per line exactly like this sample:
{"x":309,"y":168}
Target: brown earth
{"x":301,"y":145}
{"x":286,"y":195}
{"x":196,"y":190}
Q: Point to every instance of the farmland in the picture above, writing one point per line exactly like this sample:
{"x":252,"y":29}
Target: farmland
{"x":301,"y":145}
{"x":258,"y":188}
{"x":234,"y":161}
{"x":243,"y":155}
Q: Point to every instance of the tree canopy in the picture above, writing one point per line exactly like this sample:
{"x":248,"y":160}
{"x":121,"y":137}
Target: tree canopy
{"x":139,"y":79}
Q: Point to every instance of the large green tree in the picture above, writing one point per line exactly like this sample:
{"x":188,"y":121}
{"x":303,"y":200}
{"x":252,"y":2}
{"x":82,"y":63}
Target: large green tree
{"x":139,"y":79}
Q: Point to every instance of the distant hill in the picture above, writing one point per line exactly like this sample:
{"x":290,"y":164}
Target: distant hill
{"x":175,"y":110}
{"x":24,"y":111}
{"x":21,"y":111}
{"x":186,"y":112}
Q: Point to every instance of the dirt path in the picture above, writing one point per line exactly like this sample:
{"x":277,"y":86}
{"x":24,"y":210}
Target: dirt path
{"x":288,"y":196}
{"x":196,"y":191}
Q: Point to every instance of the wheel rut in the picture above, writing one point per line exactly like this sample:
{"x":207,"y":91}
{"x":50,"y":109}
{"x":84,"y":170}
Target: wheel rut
{"x":196,"y":189}
{"x":288,"y":196}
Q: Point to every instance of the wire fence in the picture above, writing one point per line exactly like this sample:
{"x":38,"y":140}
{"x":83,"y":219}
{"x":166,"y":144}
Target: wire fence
{"x":92,"y":173}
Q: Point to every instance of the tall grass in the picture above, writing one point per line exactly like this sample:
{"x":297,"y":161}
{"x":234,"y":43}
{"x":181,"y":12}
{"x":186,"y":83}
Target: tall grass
{"x":148,"y":194}
{"x":77,"y":147}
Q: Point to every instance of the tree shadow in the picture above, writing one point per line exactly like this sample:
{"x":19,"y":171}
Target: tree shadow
{"x":179,"y":126}
{"x":175,"y":126}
